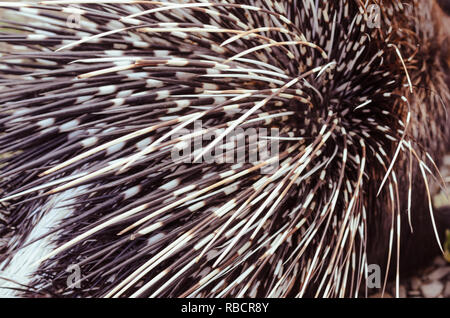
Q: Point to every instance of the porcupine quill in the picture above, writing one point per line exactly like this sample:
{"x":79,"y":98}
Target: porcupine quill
{"x":90,"y":115}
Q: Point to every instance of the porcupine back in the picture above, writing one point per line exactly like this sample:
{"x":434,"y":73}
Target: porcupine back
{"x":88,"y":133}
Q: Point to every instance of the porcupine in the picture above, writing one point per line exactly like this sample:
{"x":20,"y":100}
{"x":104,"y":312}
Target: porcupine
{"x":89,"y":111}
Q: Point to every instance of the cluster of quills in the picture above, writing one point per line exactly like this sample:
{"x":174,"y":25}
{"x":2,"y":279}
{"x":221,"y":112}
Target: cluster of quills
{"x":87,"y":119}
